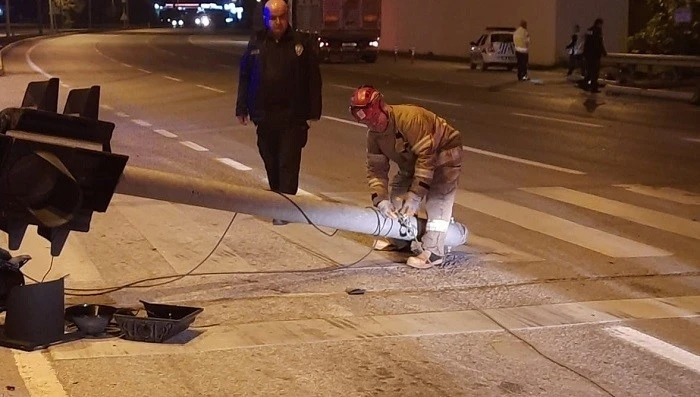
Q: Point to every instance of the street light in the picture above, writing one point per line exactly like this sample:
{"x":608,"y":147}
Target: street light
{"x":8,"y":31}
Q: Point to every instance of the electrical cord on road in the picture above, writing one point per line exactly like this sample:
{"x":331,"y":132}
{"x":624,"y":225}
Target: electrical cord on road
{"x":48,"y":271}
{"x":411,"y":231}
{"x":377,"y":232}
{"x":538,"y":351}
{"x":175,"y":277}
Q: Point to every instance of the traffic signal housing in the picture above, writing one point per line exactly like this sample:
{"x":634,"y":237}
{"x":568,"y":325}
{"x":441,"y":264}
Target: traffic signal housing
{"x":51,"y":173}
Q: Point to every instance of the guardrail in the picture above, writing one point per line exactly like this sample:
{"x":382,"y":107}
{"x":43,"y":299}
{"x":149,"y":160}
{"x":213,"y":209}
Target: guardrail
{"x":28,"y":34}
{"x":6,"y":47}
{"x":2,"y":49}
{"x":679,"y":61}
{"x":627,"y":65}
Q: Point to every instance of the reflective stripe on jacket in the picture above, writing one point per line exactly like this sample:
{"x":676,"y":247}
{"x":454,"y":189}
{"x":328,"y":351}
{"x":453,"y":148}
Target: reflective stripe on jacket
{"x":413,"y":140}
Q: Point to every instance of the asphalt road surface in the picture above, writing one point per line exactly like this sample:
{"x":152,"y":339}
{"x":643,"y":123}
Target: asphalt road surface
{"x":581,"y":276}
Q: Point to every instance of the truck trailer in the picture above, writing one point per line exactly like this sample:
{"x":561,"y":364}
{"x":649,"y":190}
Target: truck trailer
{"x":346,"y":30}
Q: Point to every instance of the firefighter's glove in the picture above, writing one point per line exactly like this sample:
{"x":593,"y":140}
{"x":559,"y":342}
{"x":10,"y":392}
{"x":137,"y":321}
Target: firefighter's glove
{"x":387,"y":209}
{"x":411,"y":203}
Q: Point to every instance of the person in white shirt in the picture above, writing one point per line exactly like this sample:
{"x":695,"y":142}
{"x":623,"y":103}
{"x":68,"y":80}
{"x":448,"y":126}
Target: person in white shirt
{"x":521,"y":39}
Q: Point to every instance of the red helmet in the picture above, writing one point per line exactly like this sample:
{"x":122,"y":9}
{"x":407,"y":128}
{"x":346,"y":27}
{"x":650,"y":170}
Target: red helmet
{"x":365,"y":103}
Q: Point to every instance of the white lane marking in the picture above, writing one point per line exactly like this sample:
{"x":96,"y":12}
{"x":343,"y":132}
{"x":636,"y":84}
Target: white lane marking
{"x":106,"y":107}
{"x":666,"y":193}
{"x":344,"y":121}
{"x":657,"y":346}
{"x":144,"y":70}
{"x":122,"y":114}
{"x":523,"y":161}
{"x":345,"y":87}
{"x":535,"y":93}
{"x":303,"y":192}
{"x":165,"y":133}
{"x":381,"y":244}
{"x":127,"y":65}
{"x":194,"y":146}
{"x":34,"y":66}
{"x":142,"y":123}
{"x":697,"y":140}
{"x":496,"y":251}
{"x":172,"y":78}
{"x":480,"y":151}
{"x":234,"y":164}
{"x":433,"y":101}
{"x":64,"y":85}
{"x":38,"y":375}
{"x":104,"y":55}
{"x":411,"y":325}
{"x":206,"y":87}
{"x":74,"y":261}
{"x":558,"y":228}
{"x":558,"y":120}
{"x":300,"y":191}
{"x":632,"y":213}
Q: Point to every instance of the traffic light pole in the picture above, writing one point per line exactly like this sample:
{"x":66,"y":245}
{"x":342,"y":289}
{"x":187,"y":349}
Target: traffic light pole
{"x":52,"y":17}
{"x":176,"y":188}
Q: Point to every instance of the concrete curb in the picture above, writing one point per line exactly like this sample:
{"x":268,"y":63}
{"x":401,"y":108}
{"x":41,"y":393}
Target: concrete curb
{"x":9,"y":47}
{"x":30,"y":37}
{"x":612,"y":89}
{"x":2,"y":51}
{"x":598,"y":108}
{"x":578,"y":103}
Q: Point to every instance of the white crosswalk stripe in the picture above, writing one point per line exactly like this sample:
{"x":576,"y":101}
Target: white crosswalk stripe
{"x":562,"y":229}
{"x":571,"y":230}
{"x":164,"y":228}
{"x":666,"y":193}
{"x":656,"y":219}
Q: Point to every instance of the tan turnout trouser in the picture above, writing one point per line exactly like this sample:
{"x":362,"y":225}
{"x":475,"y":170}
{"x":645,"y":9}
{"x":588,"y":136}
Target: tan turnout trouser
{"x":438,"y":202}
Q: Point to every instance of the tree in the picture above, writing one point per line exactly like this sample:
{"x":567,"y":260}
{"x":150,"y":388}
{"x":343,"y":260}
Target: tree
{"x":69,"y":9}
{"x":663,"y":35}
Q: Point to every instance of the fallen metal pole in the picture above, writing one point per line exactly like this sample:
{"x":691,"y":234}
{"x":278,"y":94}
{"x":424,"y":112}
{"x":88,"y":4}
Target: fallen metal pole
{"x":176,"y":188}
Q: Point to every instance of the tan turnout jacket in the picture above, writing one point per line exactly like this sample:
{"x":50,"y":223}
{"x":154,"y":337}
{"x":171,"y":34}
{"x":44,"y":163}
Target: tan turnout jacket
{"x":413,"y":140}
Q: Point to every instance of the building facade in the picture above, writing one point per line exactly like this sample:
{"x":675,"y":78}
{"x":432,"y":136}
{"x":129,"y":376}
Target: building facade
{"x":446,"y":27}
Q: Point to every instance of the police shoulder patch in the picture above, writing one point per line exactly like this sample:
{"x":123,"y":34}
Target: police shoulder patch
{"x":298,"y":49}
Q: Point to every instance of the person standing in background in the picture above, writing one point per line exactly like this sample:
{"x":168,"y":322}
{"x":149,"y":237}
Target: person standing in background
{"x":575,"y":51}
{"x":593,"y":51}
{"x":521,"y":39}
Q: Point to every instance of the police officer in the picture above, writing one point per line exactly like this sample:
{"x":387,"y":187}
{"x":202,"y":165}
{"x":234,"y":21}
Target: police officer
{"x":428,"y":153}
{"x":593,"y":51}
{"x":279,"y":89}
{"x":521,"y":40}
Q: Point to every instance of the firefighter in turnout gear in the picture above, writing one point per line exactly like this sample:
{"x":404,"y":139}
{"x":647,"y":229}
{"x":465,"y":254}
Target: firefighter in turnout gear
{"x":427,"y":152}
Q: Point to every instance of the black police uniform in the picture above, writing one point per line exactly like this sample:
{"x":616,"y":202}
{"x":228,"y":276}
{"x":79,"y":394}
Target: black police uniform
{"x":280,"y":89}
